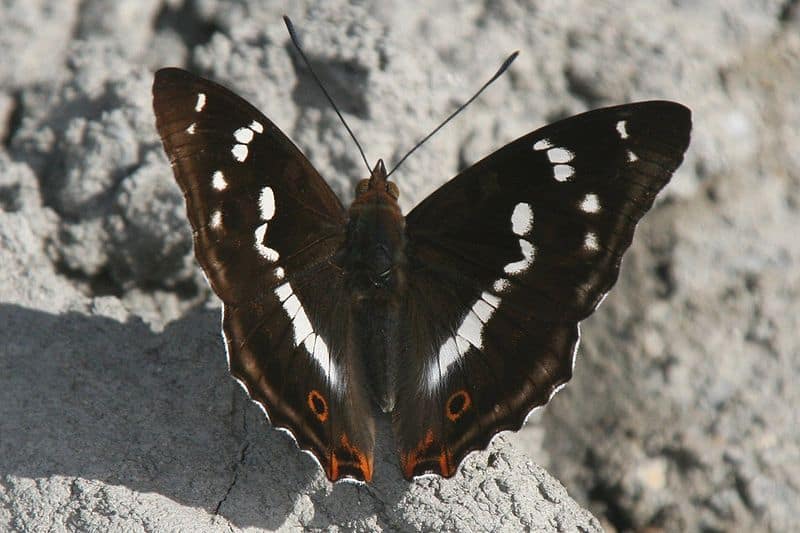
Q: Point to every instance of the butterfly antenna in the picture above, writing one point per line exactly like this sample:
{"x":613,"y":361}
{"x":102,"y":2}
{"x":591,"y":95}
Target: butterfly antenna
{"x":510,"y":59}
{"x":296,"y":43}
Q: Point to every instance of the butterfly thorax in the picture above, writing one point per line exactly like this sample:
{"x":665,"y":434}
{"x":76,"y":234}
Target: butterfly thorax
{"x":373,"y":253}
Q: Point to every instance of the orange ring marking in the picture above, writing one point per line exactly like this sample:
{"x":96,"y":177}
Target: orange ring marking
{"x":314,"y":400}
{"x":467,"y":402}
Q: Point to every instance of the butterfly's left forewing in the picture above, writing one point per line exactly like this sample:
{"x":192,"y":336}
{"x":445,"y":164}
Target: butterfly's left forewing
{"x":266,"y":227}
{"x":506,"y":259}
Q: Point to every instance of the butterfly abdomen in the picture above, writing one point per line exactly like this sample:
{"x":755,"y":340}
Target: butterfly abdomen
{"x":372,"y":259}
{"x":374,"y":276}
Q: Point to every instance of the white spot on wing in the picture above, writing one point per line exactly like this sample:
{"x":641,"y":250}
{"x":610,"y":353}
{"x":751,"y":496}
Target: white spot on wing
{"x":280,"y":273}
{"x":522,"y":218}
{"x":243,"y":135}
{"x":303,"y":331}
{"x":528,"y":251}
{"x":632,"y":157}
{"x":622,"y":129}
{"x":448,"y":356}
{"x":483,"y":310}
{"x":462,"y":344}
{"x":239,"y":152}
{"x":216,"y":219}
{"x":471,"y":329}
{"x":266,"y":203}
{"x":190,"y":129}
{"x":500,"y":285}
{"x":559,"y":155}
{"x":322,"y":355}
{"x":270,"y":254}
{"x":491,"y":299}
{"x":292,"y":305}
{"x":260,"y":233}
{"x":266,"y":252}
{"x":563,"y":172}
{"x":309,"y":343}
{"x":470,"y":332}
{"x":218,"y":181}
{"x":302,"y":326}
{"x":256,"y":126}
{"x":590,"y":203}
{"x":590,"y":242}
{"x":201,"y":102}
{"x":542,"y":144}
{"x":283,"y":291}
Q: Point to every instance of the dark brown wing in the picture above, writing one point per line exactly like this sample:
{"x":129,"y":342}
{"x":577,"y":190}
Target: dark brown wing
{"x":506,"y":259}
{"x":266,"y":226}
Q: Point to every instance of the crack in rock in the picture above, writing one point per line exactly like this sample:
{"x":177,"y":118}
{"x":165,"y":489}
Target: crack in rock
{"x":239,"y":464}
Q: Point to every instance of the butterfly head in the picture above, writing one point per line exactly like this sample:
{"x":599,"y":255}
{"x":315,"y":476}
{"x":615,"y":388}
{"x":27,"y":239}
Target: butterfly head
{"x":377,"y":184}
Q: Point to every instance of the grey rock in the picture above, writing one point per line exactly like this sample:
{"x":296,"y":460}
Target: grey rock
{"x":113,"y":20}
{"x":682,"y":414}
{"x":116,"y":411}
{"x":88,"y":140}
{"x":34,"y":39}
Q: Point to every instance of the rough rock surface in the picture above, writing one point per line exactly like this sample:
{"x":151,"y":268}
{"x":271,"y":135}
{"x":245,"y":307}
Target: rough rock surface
{"x":683,"y":412}
{"x":116,"y":411}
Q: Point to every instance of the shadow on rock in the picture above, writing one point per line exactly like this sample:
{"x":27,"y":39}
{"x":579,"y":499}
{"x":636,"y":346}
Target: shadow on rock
{"x":90,"y":397}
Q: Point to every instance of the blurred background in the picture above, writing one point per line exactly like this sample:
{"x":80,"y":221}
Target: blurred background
{"x":683,"y":412}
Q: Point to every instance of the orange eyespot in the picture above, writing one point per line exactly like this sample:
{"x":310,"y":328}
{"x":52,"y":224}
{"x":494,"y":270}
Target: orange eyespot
{"x":391,"y":188}
{"x":457,"y":404}
{"x":318,"y":405}
{"x":362,"y":187}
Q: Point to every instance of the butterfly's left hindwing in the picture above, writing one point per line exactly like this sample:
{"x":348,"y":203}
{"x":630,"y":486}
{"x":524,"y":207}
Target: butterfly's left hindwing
{"x":266,"y":228}
{"x":506,"y":259}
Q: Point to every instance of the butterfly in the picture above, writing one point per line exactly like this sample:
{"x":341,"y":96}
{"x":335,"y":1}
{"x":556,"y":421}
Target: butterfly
{"x":458,"y":318}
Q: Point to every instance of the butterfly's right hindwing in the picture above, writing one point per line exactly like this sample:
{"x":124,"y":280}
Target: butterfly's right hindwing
{"x":266,"y":227}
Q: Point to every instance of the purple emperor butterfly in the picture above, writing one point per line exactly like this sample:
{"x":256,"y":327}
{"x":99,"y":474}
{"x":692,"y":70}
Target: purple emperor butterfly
{"x":458,"y":318}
